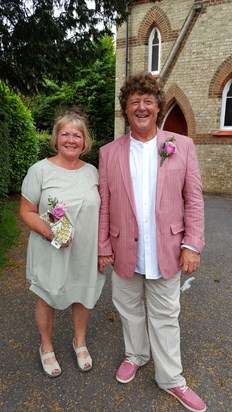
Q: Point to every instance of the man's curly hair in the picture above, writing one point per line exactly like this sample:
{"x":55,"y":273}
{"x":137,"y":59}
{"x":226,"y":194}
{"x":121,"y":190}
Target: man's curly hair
{"x":141,"y":83}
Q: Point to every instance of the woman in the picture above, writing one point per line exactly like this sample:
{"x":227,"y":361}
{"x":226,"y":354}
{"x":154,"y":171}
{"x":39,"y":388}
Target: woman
{"x":68,"y":275}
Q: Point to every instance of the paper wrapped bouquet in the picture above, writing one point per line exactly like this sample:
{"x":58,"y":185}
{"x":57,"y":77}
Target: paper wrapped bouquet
{"x":58,"y":222}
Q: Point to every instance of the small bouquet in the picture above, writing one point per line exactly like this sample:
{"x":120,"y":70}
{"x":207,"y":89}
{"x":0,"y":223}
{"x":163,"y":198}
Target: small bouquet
{"x":167,"y":149}
{"x":58,"y":222}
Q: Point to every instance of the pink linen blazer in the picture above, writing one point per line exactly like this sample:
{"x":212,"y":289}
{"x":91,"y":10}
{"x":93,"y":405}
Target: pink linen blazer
{"x":179,"y":210}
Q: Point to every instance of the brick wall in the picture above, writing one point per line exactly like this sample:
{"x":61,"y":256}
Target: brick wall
{"x":215,"y":162}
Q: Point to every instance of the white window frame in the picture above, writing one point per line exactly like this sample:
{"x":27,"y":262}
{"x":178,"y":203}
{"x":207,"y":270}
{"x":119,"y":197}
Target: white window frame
{"x":223,"y":107}
{"x":150,"y":47}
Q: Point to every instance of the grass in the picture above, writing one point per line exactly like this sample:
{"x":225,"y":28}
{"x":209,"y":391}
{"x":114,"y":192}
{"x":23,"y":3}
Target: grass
{"x":9,"y":230}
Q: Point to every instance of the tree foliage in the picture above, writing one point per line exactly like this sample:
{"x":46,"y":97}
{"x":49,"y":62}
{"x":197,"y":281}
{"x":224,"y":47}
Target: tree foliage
{"x":93,"y":89}
{"x":47,"y":39}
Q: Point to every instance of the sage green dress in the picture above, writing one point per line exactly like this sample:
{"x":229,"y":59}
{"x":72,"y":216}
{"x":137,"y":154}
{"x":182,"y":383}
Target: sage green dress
{"x":67,"y":275}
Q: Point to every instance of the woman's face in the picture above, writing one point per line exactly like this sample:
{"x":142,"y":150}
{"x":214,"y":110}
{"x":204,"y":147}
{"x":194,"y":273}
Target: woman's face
{"x":70,"y":141}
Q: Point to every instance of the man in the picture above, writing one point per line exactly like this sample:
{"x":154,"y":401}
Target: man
{"x":151,"y":226}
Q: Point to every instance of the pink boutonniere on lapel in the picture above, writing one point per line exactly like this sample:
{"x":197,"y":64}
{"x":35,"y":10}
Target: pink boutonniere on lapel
{"x":167,"y":149}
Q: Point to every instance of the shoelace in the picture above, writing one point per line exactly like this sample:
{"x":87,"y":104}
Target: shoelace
{"x":184,"y":388}
{"x":129,"y":361}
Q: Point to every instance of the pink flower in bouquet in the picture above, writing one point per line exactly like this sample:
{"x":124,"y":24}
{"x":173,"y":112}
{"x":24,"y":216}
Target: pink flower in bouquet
{"x":58,"y":211}
{"x":58,"y":208}
{"x":168,"y":148}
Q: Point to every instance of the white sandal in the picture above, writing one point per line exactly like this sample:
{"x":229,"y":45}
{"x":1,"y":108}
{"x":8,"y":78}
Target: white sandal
{"x":81,"y":362}
{"x":48,"y":369}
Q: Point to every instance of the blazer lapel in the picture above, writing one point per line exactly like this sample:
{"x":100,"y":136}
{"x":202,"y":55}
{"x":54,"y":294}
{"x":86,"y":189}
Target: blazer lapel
{"x":124,"y":162}
{"x":161,"y":136}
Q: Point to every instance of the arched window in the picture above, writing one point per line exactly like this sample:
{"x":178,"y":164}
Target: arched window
{"x":154,"y":46}
{"x":226,"y":112}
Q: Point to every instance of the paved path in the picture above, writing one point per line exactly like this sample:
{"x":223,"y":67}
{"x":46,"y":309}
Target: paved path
{"x":206,"y":340}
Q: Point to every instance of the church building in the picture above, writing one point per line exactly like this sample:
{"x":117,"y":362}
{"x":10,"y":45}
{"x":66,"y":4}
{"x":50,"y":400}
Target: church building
{"x":188,"y":44}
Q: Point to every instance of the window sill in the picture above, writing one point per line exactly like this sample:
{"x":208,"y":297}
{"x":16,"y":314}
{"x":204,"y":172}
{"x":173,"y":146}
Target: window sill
{"x":223,"y":133}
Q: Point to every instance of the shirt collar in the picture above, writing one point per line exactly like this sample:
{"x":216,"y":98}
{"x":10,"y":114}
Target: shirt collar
{"x":151,"y":142}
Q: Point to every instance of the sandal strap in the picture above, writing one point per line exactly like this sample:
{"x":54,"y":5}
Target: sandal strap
{"x":82,"y":362}
{"x":81,"y":349}
{"x":49,"y":369}
{"x":47,"y":355}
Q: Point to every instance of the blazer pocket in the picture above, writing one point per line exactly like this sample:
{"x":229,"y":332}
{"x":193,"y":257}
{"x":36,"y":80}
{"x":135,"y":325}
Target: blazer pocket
{"x":172,"y":169}
{"x":177,"y":227}
{"x":114,"y":231}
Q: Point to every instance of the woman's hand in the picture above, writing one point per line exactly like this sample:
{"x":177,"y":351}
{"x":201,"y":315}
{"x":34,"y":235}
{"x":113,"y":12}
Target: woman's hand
{"x":104,"y":261}
{"x":66,"y":244}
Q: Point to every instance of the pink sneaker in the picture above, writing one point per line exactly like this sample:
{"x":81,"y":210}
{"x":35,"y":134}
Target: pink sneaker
{"x":126,"y":371}
{"x":188,"y":398}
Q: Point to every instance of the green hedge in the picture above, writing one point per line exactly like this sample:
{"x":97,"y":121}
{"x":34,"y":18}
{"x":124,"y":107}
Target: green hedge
{"x":19,"y":144}
{"x":4,"y":152}
{"x":45,"y":150}
{"x":93,"y":156}
{"x":23,"y":141}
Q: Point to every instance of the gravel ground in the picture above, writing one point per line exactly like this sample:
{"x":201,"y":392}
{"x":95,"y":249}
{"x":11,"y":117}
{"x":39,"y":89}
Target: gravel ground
{"x":205,"y":327}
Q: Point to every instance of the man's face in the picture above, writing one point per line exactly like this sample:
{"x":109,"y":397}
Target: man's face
{"x":142,"y":111}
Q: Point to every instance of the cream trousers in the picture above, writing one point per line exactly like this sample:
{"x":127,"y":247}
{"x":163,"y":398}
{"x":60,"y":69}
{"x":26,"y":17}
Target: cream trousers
{"x":152,"y":325}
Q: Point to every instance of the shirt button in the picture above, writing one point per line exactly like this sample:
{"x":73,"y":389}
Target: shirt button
{"x":136,"y":239}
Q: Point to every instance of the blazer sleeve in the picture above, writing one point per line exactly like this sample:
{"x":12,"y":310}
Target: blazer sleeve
{"x":193,"y":202}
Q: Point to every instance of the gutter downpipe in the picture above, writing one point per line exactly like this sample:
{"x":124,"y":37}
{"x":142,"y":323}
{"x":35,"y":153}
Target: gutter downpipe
{"x":127,"y":39}
{"x":127,"y":47}
{"x":195,"y":8}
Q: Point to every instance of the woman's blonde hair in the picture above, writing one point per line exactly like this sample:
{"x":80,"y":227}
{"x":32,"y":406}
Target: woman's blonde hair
{"x":79,"y":120}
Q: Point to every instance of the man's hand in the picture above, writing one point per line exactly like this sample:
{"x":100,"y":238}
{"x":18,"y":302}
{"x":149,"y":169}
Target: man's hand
{"x":189,"y":261}
{"x":103,"y":261}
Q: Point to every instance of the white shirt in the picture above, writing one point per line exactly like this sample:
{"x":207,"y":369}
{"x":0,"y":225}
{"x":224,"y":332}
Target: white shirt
{"x":143,"y":168}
